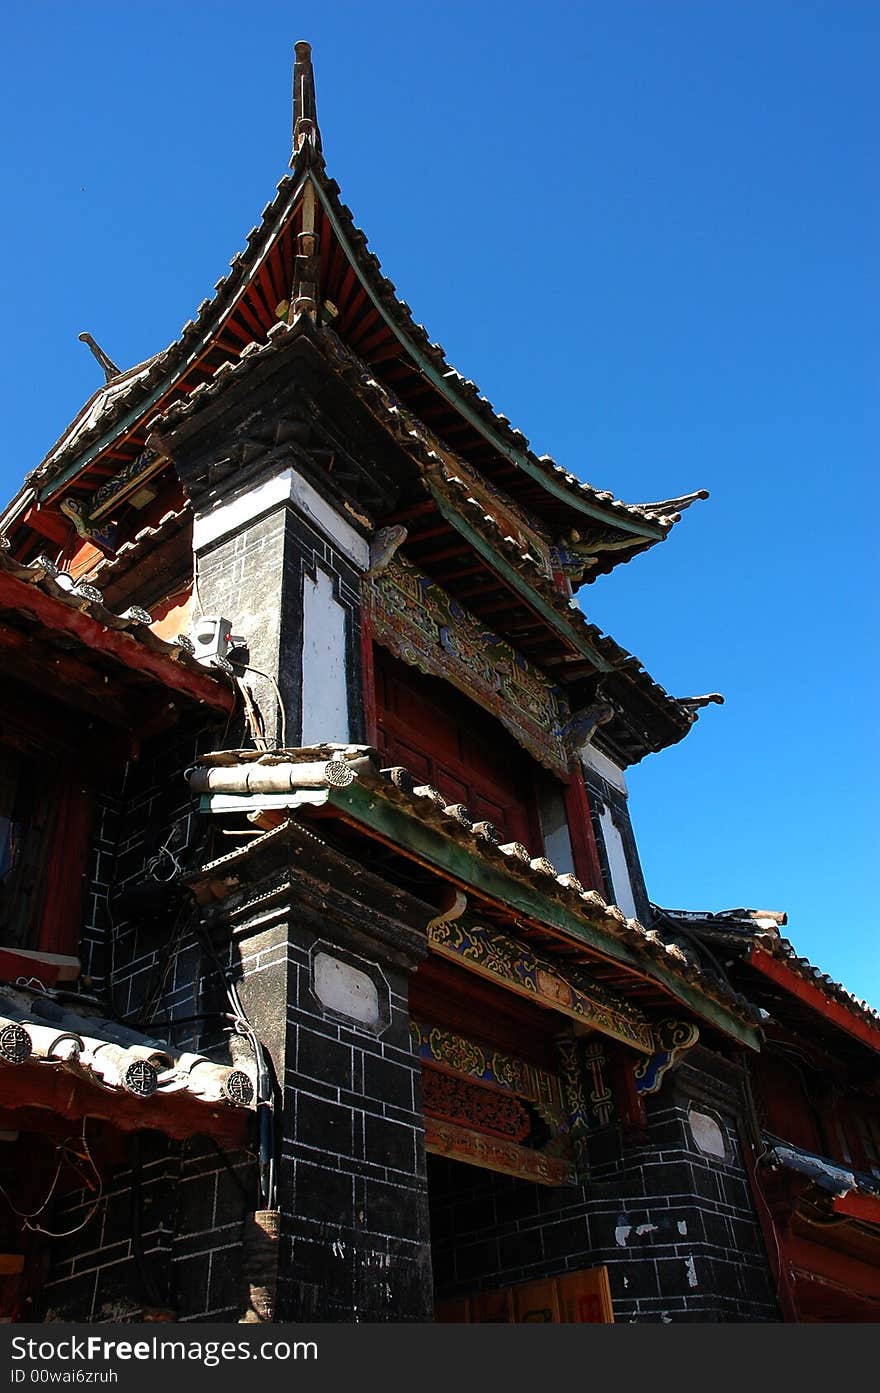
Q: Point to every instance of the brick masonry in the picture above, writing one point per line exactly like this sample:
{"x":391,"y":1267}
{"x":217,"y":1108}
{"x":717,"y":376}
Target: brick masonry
{"x":676,"y":1228}
{"x":255,"y":578}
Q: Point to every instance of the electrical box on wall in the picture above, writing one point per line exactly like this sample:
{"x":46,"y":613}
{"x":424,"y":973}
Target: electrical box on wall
{"x":212,"y":637}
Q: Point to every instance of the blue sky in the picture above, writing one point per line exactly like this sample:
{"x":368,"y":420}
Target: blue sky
{"x":647,"y":229}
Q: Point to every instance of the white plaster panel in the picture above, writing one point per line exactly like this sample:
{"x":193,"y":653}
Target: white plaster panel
{"x":605,"y":767}
{"x":707,"y":1134}
{"x":324,"y":688}
{"x":617,"y":864}
{"x":345,"y":989}
{"x":554,"y":828}
{"x":286,"y":487}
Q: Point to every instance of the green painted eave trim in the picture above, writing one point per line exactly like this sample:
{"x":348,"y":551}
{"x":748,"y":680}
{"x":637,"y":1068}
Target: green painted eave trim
{"x":131,"y":417}
{"x":380,"y":815}
{"x":509,"y":573}
{"x":559,"y":491}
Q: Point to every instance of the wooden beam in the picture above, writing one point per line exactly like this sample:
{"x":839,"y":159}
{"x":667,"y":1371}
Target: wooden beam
{"x":813,"y":996}
{"x":201,"y":686}
{"x":865,"y":1208}
{"x":438,"y":851}
{"x":61,"y":674}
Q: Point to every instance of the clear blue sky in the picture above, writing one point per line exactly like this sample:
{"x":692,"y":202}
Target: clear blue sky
{"x":647,"y":228}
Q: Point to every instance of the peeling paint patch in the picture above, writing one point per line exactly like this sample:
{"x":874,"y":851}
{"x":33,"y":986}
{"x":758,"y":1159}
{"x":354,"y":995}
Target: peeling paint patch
{"x":691,"y":1271}
{"x":621,"y":1234}
{"x":682,"y":1227}
{"x":645,"y":1228}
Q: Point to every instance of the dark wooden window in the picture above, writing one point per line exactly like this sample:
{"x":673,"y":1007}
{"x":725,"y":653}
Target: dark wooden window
{"x":448,"y":741}
{"x":784,"y":1102}
{"x":45,"y":824}
{"x":24,"y":826}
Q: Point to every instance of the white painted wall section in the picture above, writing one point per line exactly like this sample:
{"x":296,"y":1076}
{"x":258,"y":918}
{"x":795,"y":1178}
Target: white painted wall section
{"x":605,"y":767}
{"x":614,"y":850}
{"x":286,"y":487}
{"x":554,"y":828}
{"x":343,"y":988}
{"x":324,"y":687}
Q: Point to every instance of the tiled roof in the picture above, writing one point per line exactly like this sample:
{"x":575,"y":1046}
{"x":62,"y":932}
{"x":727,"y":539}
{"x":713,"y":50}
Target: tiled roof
{"x":39,"y":1028}
{"x":462,"y":392}
{"x":76,"y":595}
{"x":343,"y":764}
{"x":112,"y":405}
{"x":680,"y":713}
{"x":826,"y":1175}
{"x":761,"y":927}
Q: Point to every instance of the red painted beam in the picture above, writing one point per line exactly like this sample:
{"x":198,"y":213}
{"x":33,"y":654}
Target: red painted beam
{"x":580,"y":829}
{"x":822,"y":1263}
{"x":19,"y":597}
{"x":865,"y":1208}
{"x":813,"y":996}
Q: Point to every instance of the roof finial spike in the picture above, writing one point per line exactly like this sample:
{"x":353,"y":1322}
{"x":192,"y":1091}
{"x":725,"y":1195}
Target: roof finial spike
{"x":306,"y":134}
{"x":110,"y":368}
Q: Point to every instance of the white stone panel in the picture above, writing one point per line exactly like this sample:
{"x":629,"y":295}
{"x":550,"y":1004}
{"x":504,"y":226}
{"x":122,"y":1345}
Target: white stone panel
{"x":707,"y":1134}
{"x":324,"y":688}
{"x":554,"y":828}
{"x":286,"y":487}
{"x":605,"y":767}
{"x":617,"y":864}
{"x":346,"y":990}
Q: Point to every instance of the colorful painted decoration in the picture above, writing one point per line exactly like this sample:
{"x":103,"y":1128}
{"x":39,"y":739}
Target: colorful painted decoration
{"x":601,"y":1098}
{"x":504,"y":960}
{"x":571,"y":1076}
{"x":435,"y":1045}
{"x":424,"y":626}
{"x":481,"y":1089}
{"x":672,"y":1039}
{"x":495,"y":1153}
{"x":469,"y":1104}
{"x":456,"y":480}
{"x":130,"y":478}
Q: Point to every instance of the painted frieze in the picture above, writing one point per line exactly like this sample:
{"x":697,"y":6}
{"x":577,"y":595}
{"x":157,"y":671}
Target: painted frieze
{"x":457,"y":482}
{"x":573,"y":994}
{"x":672,"y":1038}
{"x":424,"y":626}
{"x":494,"y":1153}
{"x":473,"y":1091}
{"x":446,"y":1049}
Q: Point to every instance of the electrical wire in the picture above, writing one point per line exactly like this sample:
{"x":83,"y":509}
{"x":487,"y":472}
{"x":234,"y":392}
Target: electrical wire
{"x":63,"y":1149}
{"x":266,"y":1087}
{"x":267,"y":677}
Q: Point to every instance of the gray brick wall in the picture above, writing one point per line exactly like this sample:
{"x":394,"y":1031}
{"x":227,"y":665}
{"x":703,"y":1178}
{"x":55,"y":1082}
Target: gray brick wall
{"x":675,"y":1227}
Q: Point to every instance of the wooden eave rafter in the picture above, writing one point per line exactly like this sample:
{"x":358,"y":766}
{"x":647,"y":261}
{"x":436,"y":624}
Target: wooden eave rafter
{"x":835,"y":1012}
{"x":32,"y":1091}
{"x":519,"y":902}
{"x":156,"y":668}
{"x":442,"y":381}
{"x":261,"y":281}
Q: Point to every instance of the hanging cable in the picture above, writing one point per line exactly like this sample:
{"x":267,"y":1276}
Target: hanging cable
{"x":282,"y":721}
{"x":265,"y":1083}
{"x":64,"y":1154}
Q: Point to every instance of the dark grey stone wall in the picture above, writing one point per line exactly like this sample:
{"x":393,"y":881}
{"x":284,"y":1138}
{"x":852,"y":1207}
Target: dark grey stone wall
{"x":255,"y":579}
{"x":600,"y":791}
{"x":187,"y":1199}
{"x":675,"y":1227}
{"x":352,"y":1186}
